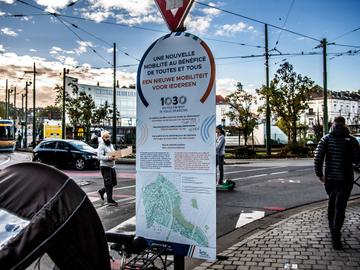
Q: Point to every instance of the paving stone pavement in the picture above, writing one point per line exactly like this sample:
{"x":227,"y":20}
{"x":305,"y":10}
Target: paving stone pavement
{"x":301,"y":241}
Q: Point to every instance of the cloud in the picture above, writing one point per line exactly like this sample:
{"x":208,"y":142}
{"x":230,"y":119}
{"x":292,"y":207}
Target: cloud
{"x":83,"y":45}
{"x":133,"y":8}
{"x":133,"y":12}
{"x":212,"y":11}
{"x":53,"y":5}
{"x":2,"y":13}
{"x":26,"y":18}
{"x":97,"y":16}
{"x":125,"y":19}
{"x":32,"y":50}
{"x":8,"y":1}
{"x":13,"y":67}
{"x":231,"y":29}
{"x":7,"y":31}
{"x":225,"y":86}
{"x":2,"y":49}
{"x":198,"y":25}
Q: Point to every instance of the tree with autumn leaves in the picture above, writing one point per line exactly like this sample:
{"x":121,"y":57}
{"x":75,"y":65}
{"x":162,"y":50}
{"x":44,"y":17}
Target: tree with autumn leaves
{"x":288,"y":93}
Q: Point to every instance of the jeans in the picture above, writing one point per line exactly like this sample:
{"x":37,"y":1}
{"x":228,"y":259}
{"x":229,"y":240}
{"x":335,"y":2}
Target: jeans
{"x":109,"y":176}
{"x":220,"y":163}
{"x":339,"y":193}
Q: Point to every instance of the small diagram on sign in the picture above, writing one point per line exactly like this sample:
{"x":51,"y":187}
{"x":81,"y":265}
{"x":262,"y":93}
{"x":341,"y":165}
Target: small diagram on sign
{"x":207,"y":128}
{"x":142,"y":131}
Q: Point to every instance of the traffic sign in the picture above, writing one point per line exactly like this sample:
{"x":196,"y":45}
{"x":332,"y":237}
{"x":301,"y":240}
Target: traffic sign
{"x":174,"y":12}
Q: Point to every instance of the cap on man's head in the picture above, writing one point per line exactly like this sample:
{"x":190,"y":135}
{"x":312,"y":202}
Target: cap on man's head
{"x":219,"y":127}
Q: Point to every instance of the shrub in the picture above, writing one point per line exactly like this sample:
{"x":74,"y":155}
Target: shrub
{"x":296,"y":150}
{"x":244,"y":152}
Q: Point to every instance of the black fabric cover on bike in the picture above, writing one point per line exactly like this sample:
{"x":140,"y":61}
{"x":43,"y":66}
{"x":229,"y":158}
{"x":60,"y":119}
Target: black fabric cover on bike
{"x":63,"y":222}
{"x":132,"y":244}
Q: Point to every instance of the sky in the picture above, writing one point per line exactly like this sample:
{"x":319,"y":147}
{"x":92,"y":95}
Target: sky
{"x":233,"y":29}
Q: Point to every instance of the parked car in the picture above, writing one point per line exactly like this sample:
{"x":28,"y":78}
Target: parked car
{"x":65,"y":153}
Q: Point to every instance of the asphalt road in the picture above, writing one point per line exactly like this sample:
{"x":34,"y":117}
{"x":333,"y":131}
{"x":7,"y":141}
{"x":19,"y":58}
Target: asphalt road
{"x":262,"y":188}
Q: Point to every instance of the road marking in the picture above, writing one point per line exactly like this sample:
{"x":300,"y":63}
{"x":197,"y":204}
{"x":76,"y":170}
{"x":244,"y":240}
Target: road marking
{"x":252,"y":170}
{"x":24,"y":155}
{"x":246,"y":218}
{"x":248,"y":177}
{"x":6,"y":161}
{"x":119,"y":188}
{"x":118,"y":201}
{"x":127,"y":226}
{"x":308,"y":169}
{"x":279,"y":172}
{"x":283,"y":181}
{"x":82,"y":183}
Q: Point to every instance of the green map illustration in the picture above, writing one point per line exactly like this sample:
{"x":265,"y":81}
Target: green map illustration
{"x":162,"y":204}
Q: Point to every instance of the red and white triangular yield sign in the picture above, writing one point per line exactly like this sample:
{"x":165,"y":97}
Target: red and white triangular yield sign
{"x":174,"y":12}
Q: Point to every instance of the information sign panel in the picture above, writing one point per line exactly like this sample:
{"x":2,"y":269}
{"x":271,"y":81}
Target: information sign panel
{"x":175,"y":144}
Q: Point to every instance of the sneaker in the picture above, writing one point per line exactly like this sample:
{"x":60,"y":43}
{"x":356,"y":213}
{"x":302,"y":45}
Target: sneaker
{"x":112,"y":202}
{"x":101,"y":193}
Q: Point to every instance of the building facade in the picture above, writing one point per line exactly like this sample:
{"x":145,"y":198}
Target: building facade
{"x":344,"y":103}
{"x":125,"y":100}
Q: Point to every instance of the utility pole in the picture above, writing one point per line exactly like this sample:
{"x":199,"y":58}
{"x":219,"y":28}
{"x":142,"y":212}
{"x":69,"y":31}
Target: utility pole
{"x":6,"y":100}
{"x":63,"y":105}
{"x":34,"y":111}
{"x":325,"y":107}
{"x":26,"y":111}
{"x":114,"y":100}
{"x":268,"y":123}
{"x":22,"y":116}
{"x":15,"y":114}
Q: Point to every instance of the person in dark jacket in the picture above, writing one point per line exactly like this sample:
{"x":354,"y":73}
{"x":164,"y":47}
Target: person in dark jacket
{"x":340,"y":151}
{"x":220,"y":152}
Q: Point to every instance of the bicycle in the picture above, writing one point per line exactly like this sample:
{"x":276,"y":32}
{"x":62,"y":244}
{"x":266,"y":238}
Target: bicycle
{"x":135,"y":253}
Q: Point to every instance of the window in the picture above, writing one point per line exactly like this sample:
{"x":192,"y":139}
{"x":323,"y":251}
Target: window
{"x":49,"y":145}
{"x":62,"y":145}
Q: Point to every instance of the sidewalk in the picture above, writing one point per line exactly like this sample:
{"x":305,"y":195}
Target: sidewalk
{"x":300,"y":241}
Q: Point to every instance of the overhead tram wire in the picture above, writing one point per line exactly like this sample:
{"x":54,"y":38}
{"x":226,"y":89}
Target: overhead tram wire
{"x":79,"y":18}
{"x":285,"y":54}
{"x":346,"y":33}
{"x":87,"y":19}
{"x":345,"y":45}
{"x":235,"y":43}
{"x":134,"y":27}
{"x":258,"y":21}
{"x":100,"y":39}
{"x":56,"y":16}
{"x":25,"y":15}
{"x":284,"y":24}
{"x":112,"y":23}
{"x":75,"y":26}
{"x":93,"y":50}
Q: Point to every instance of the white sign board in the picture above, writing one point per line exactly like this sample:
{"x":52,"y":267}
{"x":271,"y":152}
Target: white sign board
{"x":175,"y":144}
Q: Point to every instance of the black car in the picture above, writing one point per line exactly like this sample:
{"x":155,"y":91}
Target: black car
{"x":64,"y":153}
